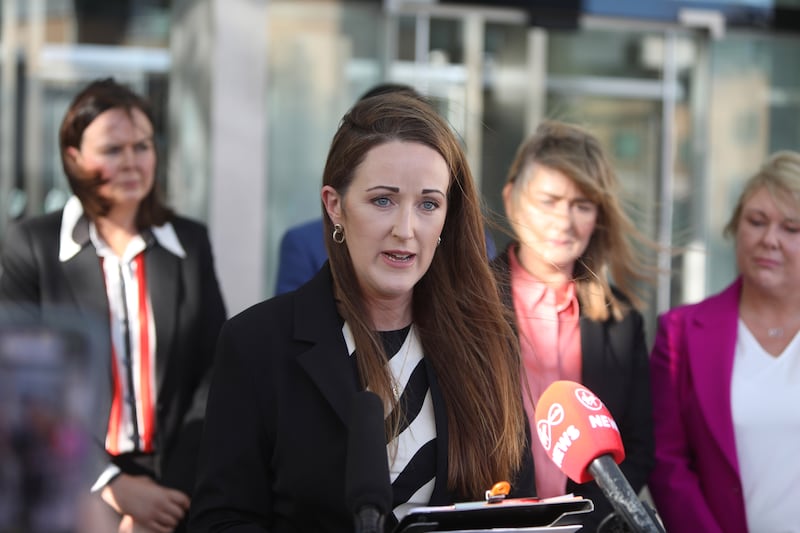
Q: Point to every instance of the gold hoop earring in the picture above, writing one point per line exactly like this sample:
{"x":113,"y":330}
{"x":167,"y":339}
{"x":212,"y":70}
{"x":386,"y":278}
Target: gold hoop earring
{"x":338,"y":234}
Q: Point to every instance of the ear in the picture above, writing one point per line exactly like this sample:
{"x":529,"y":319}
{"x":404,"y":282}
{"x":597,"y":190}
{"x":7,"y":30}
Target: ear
{"x":332,"y":201}
{"x":73,"y":154}
{"x":507,"y":201}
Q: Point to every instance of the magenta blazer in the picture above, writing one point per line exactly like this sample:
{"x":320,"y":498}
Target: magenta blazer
{"x":695,"y":483}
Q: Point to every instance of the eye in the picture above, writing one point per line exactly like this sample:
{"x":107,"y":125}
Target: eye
{"x":429,"y":205}
{"x":112,"y":150}
{"x":546,"y":202}
{"x":381,"y":201}
{"x":756,"y":222}
{"x":142,"y":146}
{"x":586,"y":207}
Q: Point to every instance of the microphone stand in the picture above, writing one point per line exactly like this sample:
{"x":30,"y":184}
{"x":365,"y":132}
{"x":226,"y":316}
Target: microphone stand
{"x":620,"y":493}
{"x":369,"y":519}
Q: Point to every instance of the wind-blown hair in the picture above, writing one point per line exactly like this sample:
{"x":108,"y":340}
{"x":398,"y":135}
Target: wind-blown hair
{"x":780,"y":175}
{"x":456,"y":307}
{"x":96,"y":98}
{"x":611,"y":253}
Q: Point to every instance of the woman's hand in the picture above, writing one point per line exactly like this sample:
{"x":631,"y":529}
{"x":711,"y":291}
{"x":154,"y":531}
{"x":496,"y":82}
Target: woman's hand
{"x":146,"y":506}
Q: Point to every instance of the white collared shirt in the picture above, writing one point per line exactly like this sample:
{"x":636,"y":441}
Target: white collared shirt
{"x":122,"y":282}
{"x":73,"y":215}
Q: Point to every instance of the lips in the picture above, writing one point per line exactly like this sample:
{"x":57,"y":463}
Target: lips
{"x":128,"y":182}
{"x":764,"y":262}
{"x":401,"y":257}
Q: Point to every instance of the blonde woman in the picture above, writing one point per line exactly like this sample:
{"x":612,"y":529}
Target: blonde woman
{"x":726,"y":377}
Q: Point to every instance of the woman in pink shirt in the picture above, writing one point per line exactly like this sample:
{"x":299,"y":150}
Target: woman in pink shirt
{"x":572,"y":237}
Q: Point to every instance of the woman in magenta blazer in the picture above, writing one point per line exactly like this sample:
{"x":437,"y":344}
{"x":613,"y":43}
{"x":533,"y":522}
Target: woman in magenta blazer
{"x":725,"y":375}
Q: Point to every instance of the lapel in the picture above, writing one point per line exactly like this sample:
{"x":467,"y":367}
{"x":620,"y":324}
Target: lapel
{"x":593,"y":350}
{"x":85,"y":279}
{"x":441,"y":494}
{"x":327,"y":362}
{"x":328,"y":365}
{"x":711,"y":363}
{"x":163,"y":274}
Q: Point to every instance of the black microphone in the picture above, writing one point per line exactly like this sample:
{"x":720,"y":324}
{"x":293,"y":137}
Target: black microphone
{"x":367,"y":489}
{"x":581,"y":437}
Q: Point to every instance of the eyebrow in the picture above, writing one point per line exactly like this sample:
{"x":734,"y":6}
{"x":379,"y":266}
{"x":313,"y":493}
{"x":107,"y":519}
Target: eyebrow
{"x":577,"y":199}
{"x":396,"y":190}
{"x":144,"y":138}
{"x":761,"y":212}
{"x":392,"y":189}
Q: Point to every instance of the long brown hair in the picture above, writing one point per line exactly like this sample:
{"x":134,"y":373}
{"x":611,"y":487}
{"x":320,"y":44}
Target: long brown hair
{"x":611,"y":251}
{"x":96,"y":98}
{"x":456,"y":307}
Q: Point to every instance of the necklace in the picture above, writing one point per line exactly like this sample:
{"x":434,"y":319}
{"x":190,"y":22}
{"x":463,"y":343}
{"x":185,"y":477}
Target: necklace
{"x":397,"y":365}
{"x":774,"y":332}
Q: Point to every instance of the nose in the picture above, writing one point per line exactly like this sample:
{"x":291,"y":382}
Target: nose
{"x":562,"y":215}
{"x":403,"y":227}
{"x":770,"y":236}
{"x":128,"y":157}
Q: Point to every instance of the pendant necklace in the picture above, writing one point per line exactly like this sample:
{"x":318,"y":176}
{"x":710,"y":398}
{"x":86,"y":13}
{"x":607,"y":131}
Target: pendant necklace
{"x":397,"y":377}
{"x":774,"y":332}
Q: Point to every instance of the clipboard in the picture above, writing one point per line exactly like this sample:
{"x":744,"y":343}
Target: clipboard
{"x":561,"y":514}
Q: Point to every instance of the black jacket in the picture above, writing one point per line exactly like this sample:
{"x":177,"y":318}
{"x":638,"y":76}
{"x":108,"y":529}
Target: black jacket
{"x":188,"y":311}
{"x":274,"y":447}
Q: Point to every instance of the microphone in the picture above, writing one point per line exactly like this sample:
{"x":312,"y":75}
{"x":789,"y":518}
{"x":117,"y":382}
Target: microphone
{"x":583,"y":440}
{"x":367,"y":489}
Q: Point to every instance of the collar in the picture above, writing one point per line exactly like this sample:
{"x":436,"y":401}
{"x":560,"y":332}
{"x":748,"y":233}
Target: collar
{"x":75,"y":233}
{"x":535,"y":290}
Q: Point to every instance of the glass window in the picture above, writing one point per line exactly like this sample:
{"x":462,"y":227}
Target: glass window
{"x":602,"y":53}
{"x":61,"y":45}
{"x":755,"y":111}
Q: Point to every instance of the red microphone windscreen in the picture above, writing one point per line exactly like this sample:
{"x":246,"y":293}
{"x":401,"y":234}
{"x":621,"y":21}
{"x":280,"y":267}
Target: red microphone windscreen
{"x":575,"y":428}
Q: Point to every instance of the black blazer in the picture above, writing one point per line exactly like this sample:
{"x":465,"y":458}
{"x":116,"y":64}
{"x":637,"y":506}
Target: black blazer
{"x":274,"y":445}
{"x":188,"y":311}
{"x":615,"y":366}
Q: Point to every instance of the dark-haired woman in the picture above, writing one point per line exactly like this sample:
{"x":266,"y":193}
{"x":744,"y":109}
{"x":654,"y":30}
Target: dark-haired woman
{"x":116,"y":254}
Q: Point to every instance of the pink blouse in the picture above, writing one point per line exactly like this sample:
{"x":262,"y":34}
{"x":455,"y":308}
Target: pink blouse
{"x":550,"y":344}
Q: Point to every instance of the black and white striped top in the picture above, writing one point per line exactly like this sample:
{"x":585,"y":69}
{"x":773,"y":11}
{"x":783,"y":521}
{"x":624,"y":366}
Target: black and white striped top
{"x":412,"y":454}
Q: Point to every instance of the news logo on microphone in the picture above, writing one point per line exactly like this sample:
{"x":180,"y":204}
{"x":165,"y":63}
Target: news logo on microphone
{"x":575,"y":427}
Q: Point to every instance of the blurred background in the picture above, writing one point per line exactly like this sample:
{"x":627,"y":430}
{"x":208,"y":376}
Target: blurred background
{"x":689,"y":97}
